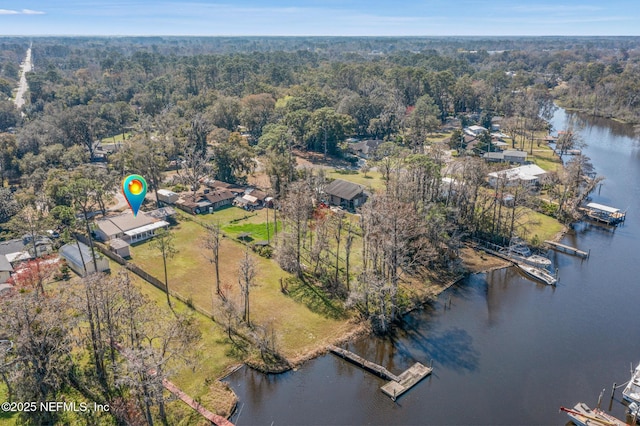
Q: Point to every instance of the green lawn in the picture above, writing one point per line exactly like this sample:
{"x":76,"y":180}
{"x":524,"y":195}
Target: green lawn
{"x":298,"y":329}
{"x":373,"y":180}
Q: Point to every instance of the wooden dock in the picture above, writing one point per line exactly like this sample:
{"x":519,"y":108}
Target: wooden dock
{"x":567,"y":249}
{"x":397,"y":385}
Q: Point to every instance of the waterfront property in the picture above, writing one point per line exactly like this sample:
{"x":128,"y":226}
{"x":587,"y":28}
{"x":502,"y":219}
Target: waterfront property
{"x":507,"y":156}
{"x":529,"y":175}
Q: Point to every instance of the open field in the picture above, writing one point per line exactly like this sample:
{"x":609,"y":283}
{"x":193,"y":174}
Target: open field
{"x":373,"y":180}
{"x":299,"y":326}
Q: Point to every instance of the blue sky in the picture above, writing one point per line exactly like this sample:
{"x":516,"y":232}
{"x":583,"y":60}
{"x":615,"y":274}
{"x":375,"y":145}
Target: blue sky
{"x":317,"y":17}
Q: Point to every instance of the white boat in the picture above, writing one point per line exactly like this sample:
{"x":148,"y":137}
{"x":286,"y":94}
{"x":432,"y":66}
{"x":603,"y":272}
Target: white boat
{"x":582,"y":415}
{"x":538,"y":274}
{"x":520,"y":252}
{"x":631,"y":393}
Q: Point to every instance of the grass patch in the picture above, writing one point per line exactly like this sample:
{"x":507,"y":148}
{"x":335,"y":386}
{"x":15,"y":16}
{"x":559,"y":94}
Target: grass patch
{"x":6,"y":417}
{"x":373,"y":179}
{"x":540,"y":227}
{"x":315,"y":299}
{"x":119,"y":138}
{"x":258,"y":231}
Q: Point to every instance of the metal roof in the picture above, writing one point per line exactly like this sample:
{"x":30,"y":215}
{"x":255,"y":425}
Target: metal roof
{"x":4,"y":264}
{"x":603,"y":208}
{"x":71,"y":253}
{"x":150,"y":227}
{"x":344,"y":189}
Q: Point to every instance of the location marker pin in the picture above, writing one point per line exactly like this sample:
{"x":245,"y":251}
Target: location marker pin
{"x":134,"y":188}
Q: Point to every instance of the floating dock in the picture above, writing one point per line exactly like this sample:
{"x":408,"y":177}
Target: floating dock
{"x":567,"y":249}
{"x":397,"y":385}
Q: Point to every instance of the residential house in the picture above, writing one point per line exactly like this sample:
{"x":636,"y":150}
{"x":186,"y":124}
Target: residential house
{"x":345,"y":194}
{"x":365,"y":149}
{"x":247,"y":202}
{"x":5,"y":269}
{"x":260,"y":196}
{"x":474,"y":130}
{"x":529,"y":175}
{"x":220,"y":198}
{"x":22,"y":249}
{"x":80,"y":260}
{"x":200,"y":206}
{"x":508,"y":156}
{"x":128,"y":227}
{"x":218,"y":184}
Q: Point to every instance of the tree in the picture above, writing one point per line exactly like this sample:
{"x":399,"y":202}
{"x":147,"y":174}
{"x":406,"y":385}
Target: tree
{"x":193,"y":168}
{"x":8,"y":205}
{"x":255,"y":112}
{"x":148,"y":158}
{"x":326,"y":129}
{"x":246,"y":277}
{"x":232,"y":160}
{"x":212,"y":243}
{"x":30,"y":222}
{"x":163,"y":242}
{"x":296,"y":209}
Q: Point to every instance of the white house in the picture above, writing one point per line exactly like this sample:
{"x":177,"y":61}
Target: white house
{"x":528,"y":175}
{"x":128,"y":227}
{"x":77,"y":258}
{"x":474,"y":130}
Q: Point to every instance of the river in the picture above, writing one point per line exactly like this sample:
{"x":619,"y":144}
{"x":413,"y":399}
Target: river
{"x":508,"y":351}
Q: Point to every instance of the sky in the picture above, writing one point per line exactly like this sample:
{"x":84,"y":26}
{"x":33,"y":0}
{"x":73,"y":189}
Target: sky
{"x":320,"y":17}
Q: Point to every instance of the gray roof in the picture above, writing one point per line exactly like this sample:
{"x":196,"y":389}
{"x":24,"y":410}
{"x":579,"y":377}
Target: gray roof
{"x":344,"y":189}
{"x":12,"y":246}
{"x":114,"y":225}
{"x":162,"y":212}
{"x":366,"y":147}
{"x":4,"y":264}
{"x":118,"y":243}
{"x":70,"y":252}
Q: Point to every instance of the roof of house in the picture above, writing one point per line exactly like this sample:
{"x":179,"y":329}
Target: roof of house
{"x":528,"y":172}
{"x":4,"y":264}
{"x":344,"y":189}
{"x":70,"y":252}
{"x":166,"y":192}
{"x":162,"y":212}
{"x":514,"y":153}
{"x":219,"y":195}
{"x":113,"y":225}
{"x":12,"y":246}
{"x":260,"y":195}
{"x":250,"y":198}
{"x":367,"y":146}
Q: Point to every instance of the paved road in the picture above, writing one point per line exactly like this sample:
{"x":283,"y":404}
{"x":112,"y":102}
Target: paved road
{"x":22,"y":86}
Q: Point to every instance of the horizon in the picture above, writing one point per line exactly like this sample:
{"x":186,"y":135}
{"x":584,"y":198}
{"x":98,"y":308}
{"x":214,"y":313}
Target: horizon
{"x":317,"y":18}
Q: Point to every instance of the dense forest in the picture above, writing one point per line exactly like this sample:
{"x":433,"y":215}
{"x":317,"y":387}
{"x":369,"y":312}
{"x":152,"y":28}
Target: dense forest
{"x":181,"y":111}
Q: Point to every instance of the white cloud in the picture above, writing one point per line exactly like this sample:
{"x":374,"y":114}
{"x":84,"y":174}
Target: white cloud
{"x":21,"y":12}
{"x":32,"y":12}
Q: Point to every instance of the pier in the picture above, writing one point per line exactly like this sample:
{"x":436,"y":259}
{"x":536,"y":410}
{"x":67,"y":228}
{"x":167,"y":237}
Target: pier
{"x":397,"y":385}
{"x":567,"y":249}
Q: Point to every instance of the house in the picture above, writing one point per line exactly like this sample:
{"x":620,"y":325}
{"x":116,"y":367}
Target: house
{"x":200,"y":206}
{"x":474,"y":130}
{"x":120,"y":247}
{"x":345,"y":194}
{"x":22,"y":249}
{"x":5,"y":269}
{"x":509,"y":156}
{"x":220,"y":198}
{"x":80,"y":260}
{"x":128,"y":227}
{"x":247,"y":202}
{"x":218,"y":184}
{"x":365,"y":149}
{"x":167,"y":197}
{"x":529,"y":175}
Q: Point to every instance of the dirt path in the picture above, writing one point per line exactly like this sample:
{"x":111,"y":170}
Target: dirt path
{"x":22,"y":86}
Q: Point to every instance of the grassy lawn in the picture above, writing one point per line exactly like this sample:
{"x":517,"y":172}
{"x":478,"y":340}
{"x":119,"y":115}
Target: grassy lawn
{"x":299,"y":329}
{"x":6,"y":418}
{"x":117,"y":138}
{"x":373,"y":179}
{"x":541,"y":226}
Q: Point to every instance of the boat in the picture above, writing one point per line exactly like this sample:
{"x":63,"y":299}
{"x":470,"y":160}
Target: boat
{"x":634,"y":411}
{"x":538,"y":274}
{"x":520,"y":252}
{"x":582,"y":415}
{"x":631,"y":392}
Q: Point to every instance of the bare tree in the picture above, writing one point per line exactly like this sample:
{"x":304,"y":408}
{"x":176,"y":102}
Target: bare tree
{"x":163,"y":242}
{"x":246,"y":277}
{"x":212,"y":244}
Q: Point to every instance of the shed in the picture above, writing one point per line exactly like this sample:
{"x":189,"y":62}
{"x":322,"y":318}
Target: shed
{"x":167,"y":197}
{"x":120,"y":247}
{"x":80,"y":260}
{"x":5,"y":269}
